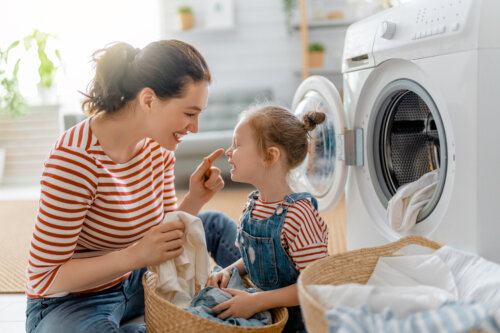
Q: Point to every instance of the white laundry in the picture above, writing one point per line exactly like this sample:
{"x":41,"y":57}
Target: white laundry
{"x":178,"y":277}
{"x":412,"y":271}
{"x":402,"y":301}
{"x":477,"y":279}
{"x":404,"y":285}
{"x":404,"y":206}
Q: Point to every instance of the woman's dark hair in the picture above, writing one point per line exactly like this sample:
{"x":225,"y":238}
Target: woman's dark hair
{"x":122,"y":71}
{"x":274,"y":125}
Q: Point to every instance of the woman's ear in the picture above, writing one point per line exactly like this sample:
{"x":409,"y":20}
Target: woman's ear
{"x":273,"y":156}
{"x":146,"y":98}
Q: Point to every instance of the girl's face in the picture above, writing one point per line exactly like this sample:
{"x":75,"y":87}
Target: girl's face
{"x":243,"y":155}
{"x":173,"y":118}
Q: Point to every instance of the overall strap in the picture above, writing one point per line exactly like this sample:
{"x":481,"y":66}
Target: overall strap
{"x":252,"y":197}
{"x":294,"y":197}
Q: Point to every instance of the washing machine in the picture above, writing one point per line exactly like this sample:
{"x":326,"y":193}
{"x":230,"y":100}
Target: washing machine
{"x":420,"y":88}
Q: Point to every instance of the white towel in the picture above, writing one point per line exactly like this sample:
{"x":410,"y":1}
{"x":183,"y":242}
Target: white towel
{"x":178,"y":277}
{"x":404,"y":206}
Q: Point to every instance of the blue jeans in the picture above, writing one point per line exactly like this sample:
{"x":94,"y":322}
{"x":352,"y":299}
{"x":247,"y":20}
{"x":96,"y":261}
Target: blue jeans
{"x":103,"y":311}
{"x":220,"y":233}
{"x":92,"y":312}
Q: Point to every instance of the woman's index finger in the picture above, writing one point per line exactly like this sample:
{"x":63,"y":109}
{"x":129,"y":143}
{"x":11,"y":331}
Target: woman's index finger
{"x":215,"y":155}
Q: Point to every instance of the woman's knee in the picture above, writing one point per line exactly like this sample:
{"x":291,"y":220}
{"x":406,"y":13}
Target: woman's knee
{"x":212,"y":219}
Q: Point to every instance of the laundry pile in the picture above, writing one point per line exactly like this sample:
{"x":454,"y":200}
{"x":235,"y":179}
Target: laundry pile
{"x":181,"y":277}
{"x":447,"y":291}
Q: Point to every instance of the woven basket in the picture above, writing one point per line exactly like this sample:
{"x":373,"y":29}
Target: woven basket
{"x":350,"y":267}
{"x":162,"y":316}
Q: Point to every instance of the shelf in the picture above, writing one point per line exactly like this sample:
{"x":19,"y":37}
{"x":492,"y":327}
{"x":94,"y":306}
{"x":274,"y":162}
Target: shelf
{"x":321,"y":24}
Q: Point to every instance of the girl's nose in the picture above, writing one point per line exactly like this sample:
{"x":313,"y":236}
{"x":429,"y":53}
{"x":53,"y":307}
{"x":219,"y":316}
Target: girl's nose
{"x":228,"y":152}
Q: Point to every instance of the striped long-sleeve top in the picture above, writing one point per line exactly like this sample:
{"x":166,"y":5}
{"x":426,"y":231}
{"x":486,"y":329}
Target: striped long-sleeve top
{"x":90,"y":205}
{"x":304,"y":235}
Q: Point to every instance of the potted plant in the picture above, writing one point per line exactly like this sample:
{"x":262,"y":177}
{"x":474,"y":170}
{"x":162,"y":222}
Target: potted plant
{"x":316,"y":55}
{"x":47,"y":68}
{"x":186,"y":17}
{"x":12,"y":102}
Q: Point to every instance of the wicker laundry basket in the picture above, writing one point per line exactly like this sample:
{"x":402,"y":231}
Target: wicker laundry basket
{"x":350,"y":267}
{"x":162,"y":316}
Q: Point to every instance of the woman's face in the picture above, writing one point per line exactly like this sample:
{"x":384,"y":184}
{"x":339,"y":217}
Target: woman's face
{"x":173,"y":118}
{"x":243,"y":155}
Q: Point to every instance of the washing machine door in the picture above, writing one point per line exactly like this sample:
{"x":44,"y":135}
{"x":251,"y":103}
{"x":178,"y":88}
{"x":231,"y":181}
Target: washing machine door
{"x":323,"y":173}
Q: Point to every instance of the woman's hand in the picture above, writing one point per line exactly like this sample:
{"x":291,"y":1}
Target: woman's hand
{"x":160,"y":243}
{"x":219,"y":279}
{"x":242,"y":305}
{"x":206,"y":180}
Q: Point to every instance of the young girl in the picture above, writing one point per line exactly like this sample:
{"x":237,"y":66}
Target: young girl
{"x":280,"y":232}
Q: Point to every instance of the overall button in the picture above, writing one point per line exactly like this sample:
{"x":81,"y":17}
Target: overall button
{"x":279,"y":210}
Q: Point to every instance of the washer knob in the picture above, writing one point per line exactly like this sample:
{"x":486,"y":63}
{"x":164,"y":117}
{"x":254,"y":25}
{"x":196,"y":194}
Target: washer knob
{"x":387,"y":29}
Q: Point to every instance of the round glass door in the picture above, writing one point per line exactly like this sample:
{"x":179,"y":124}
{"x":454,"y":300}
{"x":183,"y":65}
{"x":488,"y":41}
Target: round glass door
{"x":409,"y":142}
{"x":322,"y":173}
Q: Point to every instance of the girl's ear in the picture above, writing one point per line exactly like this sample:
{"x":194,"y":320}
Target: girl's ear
{"x":146,"y":99}
{"x":273,"y":156}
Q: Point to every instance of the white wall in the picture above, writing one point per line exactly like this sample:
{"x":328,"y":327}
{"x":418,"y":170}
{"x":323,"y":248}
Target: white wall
{"x":259,"y":52}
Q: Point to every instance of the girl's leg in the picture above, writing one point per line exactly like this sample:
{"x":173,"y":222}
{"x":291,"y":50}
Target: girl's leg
{"x":94,"y":312}
{"x":220,"y":233}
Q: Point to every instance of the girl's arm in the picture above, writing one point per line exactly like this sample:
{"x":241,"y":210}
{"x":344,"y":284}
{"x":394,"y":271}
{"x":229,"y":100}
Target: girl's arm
{"x":245,"y":305}
{"x":221,"y":279}
{"x":239,"y":266}
{"x":286,"y":296}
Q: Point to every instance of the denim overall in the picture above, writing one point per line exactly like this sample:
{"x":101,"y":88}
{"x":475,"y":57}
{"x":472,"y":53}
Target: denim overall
{"x":268,"y":264}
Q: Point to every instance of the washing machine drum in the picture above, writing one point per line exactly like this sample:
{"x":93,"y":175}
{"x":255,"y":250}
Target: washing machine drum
{"x":408,"y":140}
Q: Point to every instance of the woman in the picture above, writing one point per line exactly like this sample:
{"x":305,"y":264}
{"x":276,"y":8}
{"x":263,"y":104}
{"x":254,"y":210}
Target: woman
{"x":107,"y":184}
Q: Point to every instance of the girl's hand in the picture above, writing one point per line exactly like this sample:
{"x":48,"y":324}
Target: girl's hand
{"x":206,"y":180}
{"x":242,"y":305}
{"x":219,"y":279}
{"x":160,"y":243}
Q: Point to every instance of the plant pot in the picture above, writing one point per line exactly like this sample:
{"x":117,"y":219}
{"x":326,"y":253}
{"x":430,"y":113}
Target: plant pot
{"x":316,"y":59}
{"x":186,"y":20}
{"x":47,"y":95}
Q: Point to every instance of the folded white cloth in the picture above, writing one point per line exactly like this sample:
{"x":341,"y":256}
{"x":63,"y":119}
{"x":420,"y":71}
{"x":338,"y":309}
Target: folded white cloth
{"x":404,"y":206}
{"x":178,"y":277}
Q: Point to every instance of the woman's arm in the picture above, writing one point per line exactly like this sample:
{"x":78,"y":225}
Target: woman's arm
{"x":160,"y":243}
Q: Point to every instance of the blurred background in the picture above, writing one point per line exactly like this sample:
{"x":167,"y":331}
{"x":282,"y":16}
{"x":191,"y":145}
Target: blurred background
{"x":255,"y":50}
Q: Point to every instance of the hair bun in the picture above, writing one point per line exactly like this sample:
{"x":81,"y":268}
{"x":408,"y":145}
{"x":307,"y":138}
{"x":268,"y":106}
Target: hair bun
{"x":311,"y":119}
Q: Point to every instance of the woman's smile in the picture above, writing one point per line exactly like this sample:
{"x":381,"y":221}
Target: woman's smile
{"x":178,"y":137}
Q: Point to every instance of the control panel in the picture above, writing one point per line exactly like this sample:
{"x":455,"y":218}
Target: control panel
{"x":439,"y":17}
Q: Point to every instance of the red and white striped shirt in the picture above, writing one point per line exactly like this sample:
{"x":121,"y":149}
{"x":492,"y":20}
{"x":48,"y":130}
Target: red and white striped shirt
{"x":90,"y":205}
{"x":304,"y":235}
